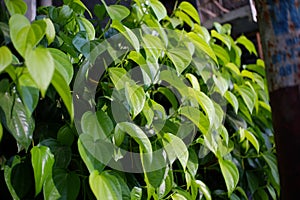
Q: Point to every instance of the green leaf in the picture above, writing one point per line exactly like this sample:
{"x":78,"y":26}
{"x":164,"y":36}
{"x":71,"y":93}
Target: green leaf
{"x":62,"y":64}
{"x":204,"y":189}
{"x":25,"y":35}
{"x":136,"y":57}
{"x":176,"y":148}
{"x":42,"y":161}
{"x":28,"y":91}
{"x":16,"y":120}
{"x":232,"y":67}
{"x":77,"y":5}
{"x":202,"y":46}
{"x":221,"y":53}
{"x":193,"y":80}
{"x":7,"y":175}
{"x":252,"y":139}
{"x":87,"y":26}
{"x":135,"y":97}
{"x":105,"y":185}
{"x":41,"y":67}
{"x":185,"y":18}
{"x":270,"y":159}
{"x":89,"y":160}
{"x":63,"y":90}
{"x":159,"y":9}
{"x":230,"y":174}
{"x":189,"y":9}
{"x":16,"y":7}
{"x":169,"y":95}
{"x":248,"y":96}
{"x":119,"y":77}
{"x":62,"y":185}
{"x":180,"y":57}
{"x":231,"y":98}
{"x":221,"y":84}
{"x":247,"y":43}
{"x":222,"y":37}
{"x":127,"y":33}
{"x":136,"y":193}
{"x":5,"y":57}
{"x":50,"y":30}
{"x":137,"y":134}
{"x":117,"y":12}
{"x":65,"y":135}
{"x":197,"y":117}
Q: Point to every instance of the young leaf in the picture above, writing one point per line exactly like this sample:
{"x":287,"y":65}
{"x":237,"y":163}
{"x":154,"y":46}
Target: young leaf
{"x":159,"y":9}
{"x":42,"y":161}
{"x":105,"y":185}
{"x":175,"y":148}
{"x":136,"y":193}
{"x":117,"y":12}
{"x":247,"y":43}
{"x":230,"y":174}
{"x":63,"y":90}
{"x":16,"y":7}
{"x":189,"y":9}
{"x":231,"y":98}
{"x":50,"y":30}
{"x":41,"y":67}
{"x":5,"y":57}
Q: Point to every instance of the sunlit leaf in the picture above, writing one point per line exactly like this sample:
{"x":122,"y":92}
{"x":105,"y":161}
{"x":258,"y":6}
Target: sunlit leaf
{"x":189,"y":9}
{"x":159,"y":9}
{"x":117,"y":12}
{"x":5,"y":57}
{"x":230,"y":174}
{"x":16,"y":7}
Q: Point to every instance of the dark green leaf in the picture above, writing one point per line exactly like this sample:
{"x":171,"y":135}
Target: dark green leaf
{"x":62,"y":185}
{"x":42,"y":161}
{"x":65,"y":135}
{"x":16,"y":120}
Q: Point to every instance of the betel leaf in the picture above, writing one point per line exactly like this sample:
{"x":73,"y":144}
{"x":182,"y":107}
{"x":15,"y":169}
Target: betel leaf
{"x":50,"y":30}
{"x":127,"y":33}
{"x":89,"y":160}
{"x":193,"y":80}
{"x":137,"y":134}
{"x":248,"y":96}
{"x":231,"y":98}
{"x":16,"y":120}
{"x":221,"y":84}
{"x":117,"y":12}
{"x":118,"y":76}
{"x":41,"y":67}
{"x":63,"y":90}
{"x":197,"y":117}
{"x":169,"y":95}
{"x":62,"y":64}
{"x":230,"y":174}
{"x":28,"y":91}
{"x":180,"y":57}
{"x":232,"y":67}
{"x":135,"y":97}
{"x":222,"y":37}
{"x":252,"y":139}
{"x":105,"y":185}
{"x":184,"y":18}
{"x":159,"y":9}
{"x":62,"y":184}
{"x":98,"y":124}
{"x":25,"y":35}
{"x":42,"y":161}
{"x":204,"y":189}
{"x":5,"y":57}
{"x":7,"y":175}
{"x":87,"y":26}
{"x":16,"y":7}
{"x":272,"y":163}
{"x":175,"y":149}
{"x":247,"y":44}
{"x":189,"y":9}
{"x":202,"y":46}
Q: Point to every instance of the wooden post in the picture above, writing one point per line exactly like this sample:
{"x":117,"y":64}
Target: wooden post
{"x":279,"y":25}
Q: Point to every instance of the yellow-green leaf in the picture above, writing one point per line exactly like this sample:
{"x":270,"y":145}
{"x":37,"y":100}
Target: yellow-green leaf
{"x":5,"y":57}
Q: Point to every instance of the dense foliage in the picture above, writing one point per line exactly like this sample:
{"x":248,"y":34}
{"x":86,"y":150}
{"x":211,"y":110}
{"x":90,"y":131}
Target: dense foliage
{"x":152,"y":106}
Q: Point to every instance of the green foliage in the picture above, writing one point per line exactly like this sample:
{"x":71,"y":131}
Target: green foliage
{"x":190,"y":122}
